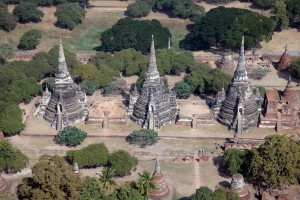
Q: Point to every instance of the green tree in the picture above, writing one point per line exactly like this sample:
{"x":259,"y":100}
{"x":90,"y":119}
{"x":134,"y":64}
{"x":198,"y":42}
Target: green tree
{"x":46,"y":3}
{"x":145,"y":184}
{"x":276,"y":162}
{"x":203,"y":193}
{"x":293,"y":12}
{"x":259,"y":72}
{"x":218,"y":1}
{"x":265,"y":4}
{"x":7,"y":20}
{"x":225,"y":27}
{"x":281,"y":15}
{"x":122,"y":162}
{"x":138,"y":9}
{"x":12,"y":160}
{"x":128,"y":191}
{"x":70,"y":136}
{"x":236,"y":161}
{"x":30,"y":39}
{"x":69,"y":15}
{"x":183,"y":90}
{"x":6,"y":52}
{"x":11,"y":120}
{"x":225,"y":194}
{"x":91,"y":190}
{"x":129,"y":33}
{"x":143,"y":137}
{"x":94,"y":155}
{"x":106,"y":179}
{"x":89,"y":87}
{"x":28,"y":12}
{"x":7,"y":196}
{"x":52,"y":178}
{"x":295,"y":69}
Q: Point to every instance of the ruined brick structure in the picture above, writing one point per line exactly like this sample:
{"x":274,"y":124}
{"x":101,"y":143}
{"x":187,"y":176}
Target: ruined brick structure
{"x":161,"y":190}
{"x":156,"y":105}
{"x":67,"y":103}
{"x":281,"y":109}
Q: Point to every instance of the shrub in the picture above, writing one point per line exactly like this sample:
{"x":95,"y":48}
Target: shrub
{"x":122,"y":162}
{"x":12,"y":160}
{"x":183,"y":90}
{"x":143,"y":137}
{"x":70,"y":136}
{"x":29,"y":39}
{"x":69,"y":15}
{"x":28,"y":12}
{"x":89,"y":87}
{"x":11,"y":120}
{"x":93,"y":155}
{"x":259,"y":72}
{"x":295,"y":68}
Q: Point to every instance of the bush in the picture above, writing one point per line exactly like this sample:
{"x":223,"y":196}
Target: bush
{"x":259,"y":72}
{"x":69,"y":15}
{"x":235,"y":161}
{"x":70,"y":136}
{"x":295,"y":69}
{"x":143,"y":137}
{"x":122,"y":162}
{"x":12,"y":160}
{"x":138,"y":9}
{"x":7,"y":20}
{"x":89,"y":87}
{"x":28,"y":12}
{"x":29,"y":39}
{"x":183,"y":90}
{"x":11,"y":120}
{"x":93,"y":155}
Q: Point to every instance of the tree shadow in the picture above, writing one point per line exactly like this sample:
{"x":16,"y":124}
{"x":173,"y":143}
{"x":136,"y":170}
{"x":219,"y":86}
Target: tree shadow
{"x":224,"y":184}
{"x":219,"y":162}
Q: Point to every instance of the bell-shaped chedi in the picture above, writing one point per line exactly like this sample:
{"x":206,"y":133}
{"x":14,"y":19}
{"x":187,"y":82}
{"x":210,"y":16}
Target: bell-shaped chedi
{"x":156,"y":105}
{"x":238,"y":185}
{"x":161,"y":190}
{"x":67,"y":103}
{"x":239,"y":110}
{"x":285,"y":60}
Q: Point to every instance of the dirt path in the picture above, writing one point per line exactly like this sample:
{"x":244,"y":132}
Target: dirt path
{"x":197,"y":172}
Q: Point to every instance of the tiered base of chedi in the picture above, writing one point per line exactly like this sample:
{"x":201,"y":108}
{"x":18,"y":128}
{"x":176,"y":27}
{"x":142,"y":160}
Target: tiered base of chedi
{"x":66,"y":104}
{"x":238,"y":186}
{"x":156,"y":105}
{"x":239,"y":107}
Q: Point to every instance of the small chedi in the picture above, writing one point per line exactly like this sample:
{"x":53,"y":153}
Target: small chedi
{"x":239,"y":107}
{"x":286,"y":59}
{"x":238,"y":185}
{"x":161,"y":190}
{"x":156,"y":105}
{"x":67,"y":103}
{"x":227,"y":63}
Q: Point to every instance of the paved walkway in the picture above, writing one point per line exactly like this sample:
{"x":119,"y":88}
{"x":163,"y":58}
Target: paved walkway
{"x":197,"y":182}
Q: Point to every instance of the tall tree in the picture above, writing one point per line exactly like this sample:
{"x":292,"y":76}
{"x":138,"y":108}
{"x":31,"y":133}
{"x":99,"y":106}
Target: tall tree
{"x":122,"y":162}
{"x":276,"y":162}
{"x":91,"y":190}
{"x":281,"y":15}
{"x":106,"y":179}
{"x":12,"y":160}
{"x":28,"y":12}
{"x":11,"y":120}
{"x":52,"y":178}
{"x":203,"y":193}
{"x":145,"y":184}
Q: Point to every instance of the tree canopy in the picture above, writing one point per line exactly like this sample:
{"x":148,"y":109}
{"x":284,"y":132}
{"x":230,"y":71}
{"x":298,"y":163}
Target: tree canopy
{"x":235,"y":160}
{"x":295,"y":69}
{"x":91,"y":190}
{"x":28,"y":12}
{"x":12,"y":160}
{"x":52,"y":178}
{"x":122,"y":162}
{"x":7,"y":20}
{"x":30,"y":39}
{"x":138,"y":9}
{"x":225,"y":27}
{"x":183,"y":90}
{"x":143,"y":137}
{"x":129,"y":33}
{"x":94,"y":155}
{"x":204,"y":193}
{"x":276,"y":162}
{"x":70,"y":136}
{"x":69,"y":15}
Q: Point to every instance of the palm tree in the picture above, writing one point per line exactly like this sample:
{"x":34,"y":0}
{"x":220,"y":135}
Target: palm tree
{"x":106,"y":179}
{"x":145,"y":184}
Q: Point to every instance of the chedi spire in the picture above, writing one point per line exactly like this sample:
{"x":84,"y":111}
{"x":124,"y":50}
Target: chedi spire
{"x":152,"y":67}
{"x":62,"y":71}
{"x":240,"y":72}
